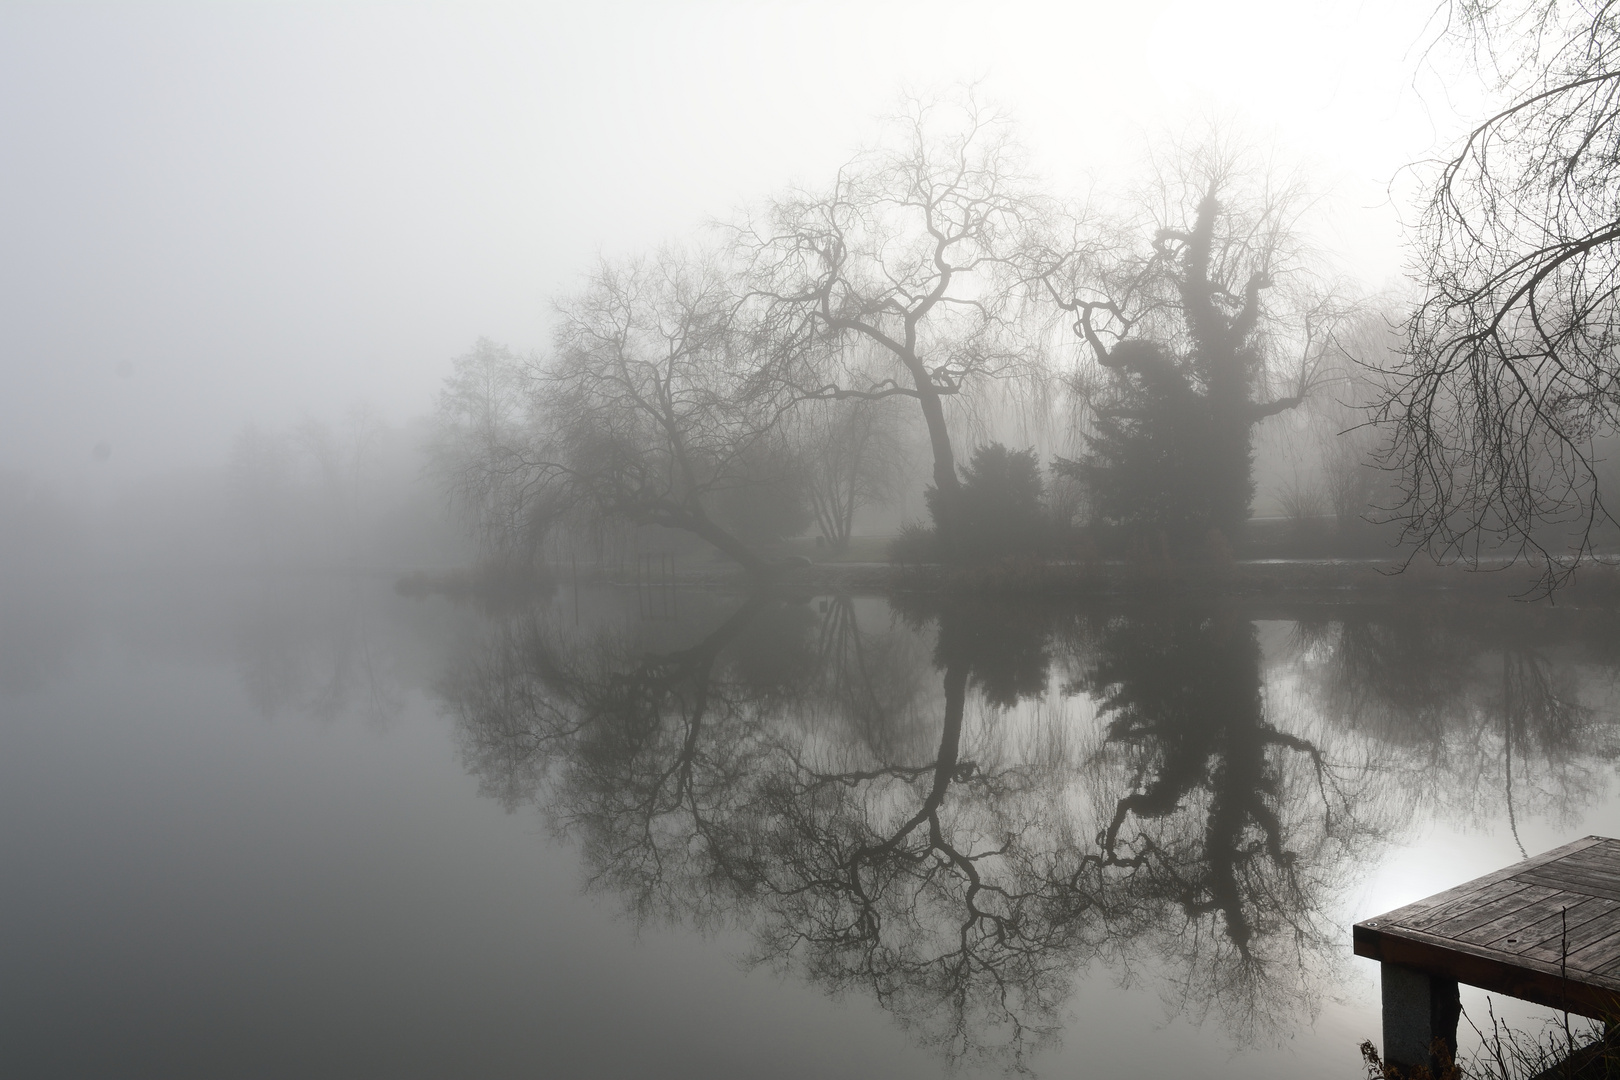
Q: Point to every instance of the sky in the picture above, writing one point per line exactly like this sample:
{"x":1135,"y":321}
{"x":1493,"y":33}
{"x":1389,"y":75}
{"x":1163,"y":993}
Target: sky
{"x":220,"y":214}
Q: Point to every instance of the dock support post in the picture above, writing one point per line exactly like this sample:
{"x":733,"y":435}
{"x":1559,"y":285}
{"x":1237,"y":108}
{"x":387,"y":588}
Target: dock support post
{"x":1418,"y":1009}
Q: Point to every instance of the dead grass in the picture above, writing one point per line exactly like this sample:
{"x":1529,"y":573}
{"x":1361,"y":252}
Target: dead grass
{"x":1558,"y":1051}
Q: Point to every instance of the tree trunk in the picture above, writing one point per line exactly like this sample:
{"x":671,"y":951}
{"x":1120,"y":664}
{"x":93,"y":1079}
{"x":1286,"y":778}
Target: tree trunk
{"x":1231,"y":460}
{"x":950,"y":736}
{"x":1223,"y":361}
{"x":947,"y":520}
{"x":846,"y":526}
{"x":696,"y":521}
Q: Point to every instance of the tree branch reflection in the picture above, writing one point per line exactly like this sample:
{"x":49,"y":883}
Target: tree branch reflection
{"x":956,"y":807}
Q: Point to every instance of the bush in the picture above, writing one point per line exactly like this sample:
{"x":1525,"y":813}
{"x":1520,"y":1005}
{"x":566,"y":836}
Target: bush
{"x":916,"y":544}
{"x":1002,"y":512}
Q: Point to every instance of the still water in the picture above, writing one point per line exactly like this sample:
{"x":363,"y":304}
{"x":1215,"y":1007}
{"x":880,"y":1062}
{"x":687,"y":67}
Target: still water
{"x":286,"y":826}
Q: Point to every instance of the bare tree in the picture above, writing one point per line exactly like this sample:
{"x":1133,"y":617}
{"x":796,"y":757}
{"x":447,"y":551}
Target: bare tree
{"x":1347,"y":440}
{"x":915,"y":252}
{"x":657,"y":402}
{"x":1192,"y":356}
{"x":853,"y":453}
{"x":1511,"y":388}
{"x":481,"y":449}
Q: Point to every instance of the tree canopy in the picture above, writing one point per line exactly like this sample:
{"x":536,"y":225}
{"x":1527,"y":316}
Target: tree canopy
{"x":656,"y":400}
{"x":904,"y":276}
{"x":1192,"y":354}
{"x":692,"y":391}
{"x":1502,"y":409}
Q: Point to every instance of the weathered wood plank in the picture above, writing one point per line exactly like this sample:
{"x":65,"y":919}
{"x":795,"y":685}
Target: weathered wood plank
{"x":1519,"y":924}
{"x":1536,"y":923}
{"x":1586,"y":924}
{"x":1599,"y":955}
{"x":1573,"y":878}
{"x":1604,"y":856}
{"x":1467,"y":903}
{"x":1400,"y":914}
{"x":1610,"y":970}
{"x":1565,"y":910}
{"x":1493,"y":911}
{"x":1606,"y":846}
{"x":1576,"y":864}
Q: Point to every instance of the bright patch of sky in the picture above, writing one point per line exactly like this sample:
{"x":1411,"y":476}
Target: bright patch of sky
{"x":219,"y":214}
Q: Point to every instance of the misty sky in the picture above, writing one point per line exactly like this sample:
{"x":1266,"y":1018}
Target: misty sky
{"x":217,"y":214}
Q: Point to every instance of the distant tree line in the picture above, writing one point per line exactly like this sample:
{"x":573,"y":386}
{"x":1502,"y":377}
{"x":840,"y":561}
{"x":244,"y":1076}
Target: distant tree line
{"x":311,"y":493}
{"x":747,"y":390}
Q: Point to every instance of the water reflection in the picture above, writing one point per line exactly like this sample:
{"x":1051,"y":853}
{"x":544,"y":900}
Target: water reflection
{"x":956,"y":807}
{"x":1241,"y":834}
{"x":1489,"y":710}
{"x":315,"y":654}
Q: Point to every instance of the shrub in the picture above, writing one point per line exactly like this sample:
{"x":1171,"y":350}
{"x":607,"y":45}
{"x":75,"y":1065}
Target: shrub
{"x":1001,"y":510}
{"x":916,"y":544}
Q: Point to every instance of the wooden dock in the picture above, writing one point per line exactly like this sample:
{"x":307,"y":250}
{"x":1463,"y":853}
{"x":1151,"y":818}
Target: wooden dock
{"x":1546,"y":930}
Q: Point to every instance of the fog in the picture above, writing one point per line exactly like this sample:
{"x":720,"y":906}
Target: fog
{"x":223,"y":215}
{"x":736,"y":539}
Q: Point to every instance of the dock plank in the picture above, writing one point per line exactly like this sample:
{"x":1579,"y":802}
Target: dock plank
{"x":1401,"y":914}
{"x":1464,"y":903}
{"x":1524,"y":932}
{"x":1518,"y":924}
{"x":1546,"y":929}
{"x":1610,"y":970}
{"x":1573,"y":879}
{"x":1598,"y":956}
{"x":1586,"y":926}
{"x":1527,"y":896}
{"x":1601,"y":856}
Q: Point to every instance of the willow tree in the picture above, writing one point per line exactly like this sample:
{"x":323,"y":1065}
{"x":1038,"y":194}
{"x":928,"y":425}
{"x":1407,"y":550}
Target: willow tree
{"x":914,"y":256}
{"x":1191,"y":351}
{"x":657,"y":405}
{"x":652,"y":408}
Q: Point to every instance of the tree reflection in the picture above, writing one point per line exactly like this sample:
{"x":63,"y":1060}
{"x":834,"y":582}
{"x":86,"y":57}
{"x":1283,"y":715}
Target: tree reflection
{"x":836,"y":809}
{"x":1238,"y":834}
{"x":1495,"y":713}
{"x":319,"y":654}
{"x":955,"y":807}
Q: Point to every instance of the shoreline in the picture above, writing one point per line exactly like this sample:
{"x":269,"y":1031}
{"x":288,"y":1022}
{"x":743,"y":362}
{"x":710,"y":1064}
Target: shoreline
{"x":1329,"y":579}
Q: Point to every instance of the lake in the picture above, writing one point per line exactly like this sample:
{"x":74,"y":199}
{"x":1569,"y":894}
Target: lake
{"x":289,"y":825}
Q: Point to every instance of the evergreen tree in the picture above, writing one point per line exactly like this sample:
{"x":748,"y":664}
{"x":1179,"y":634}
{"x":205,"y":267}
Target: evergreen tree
{"x":1184,"y":341}
{"x":1000,"y":508}
{"x":1146,"y":471}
